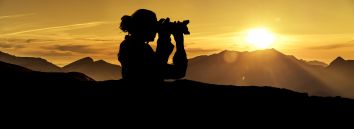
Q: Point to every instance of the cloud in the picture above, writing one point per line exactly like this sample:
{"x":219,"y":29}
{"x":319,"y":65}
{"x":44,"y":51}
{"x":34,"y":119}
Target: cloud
{"x":335,"y":46}
{"x":96,"y":39}
{"x":59,"y":28}
{"x":24,"y":40}
{"x":47,"y":53}
{"x":5,"y":45}
{"x":62,"y":51}
{"x":16,"y":16}
{"x":73,"y":48}
{"x":77,"y":46}
{"x":8,"y":45}
{"x":38,"y":40}
{"x":200,"y":50}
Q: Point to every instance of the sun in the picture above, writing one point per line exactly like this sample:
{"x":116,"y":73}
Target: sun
{"x":260,"y":38}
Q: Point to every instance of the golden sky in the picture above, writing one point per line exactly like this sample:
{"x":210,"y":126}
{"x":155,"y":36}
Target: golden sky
{"x":65,"y":30}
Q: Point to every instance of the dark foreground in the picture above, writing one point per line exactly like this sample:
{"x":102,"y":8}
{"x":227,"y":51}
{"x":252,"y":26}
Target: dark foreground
{"x":26,"y":91}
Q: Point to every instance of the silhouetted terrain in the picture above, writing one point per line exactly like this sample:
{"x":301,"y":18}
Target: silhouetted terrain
{"x":263,"y":67}
{"x":272,"y":68}
{"x":341,"y":66}
{"x":17,"y":74}
{"x":98,"y":70}
{"x":20,"y":85}
{"x":259,"y":68}
{"x":339,"y":74}
{"x":36,"y":64}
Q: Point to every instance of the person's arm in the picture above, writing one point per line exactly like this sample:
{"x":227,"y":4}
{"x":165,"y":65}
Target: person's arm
{"x":180,"y":61}
{"x":164,"y":49}
{"x":164,"y":46}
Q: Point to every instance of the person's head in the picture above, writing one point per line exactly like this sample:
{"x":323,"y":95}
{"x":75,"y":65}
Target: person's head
{"x":141,"y":24}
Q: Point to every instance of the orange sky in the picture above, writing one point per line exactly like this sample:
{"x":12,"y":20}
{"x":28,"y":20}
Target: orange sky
{"x":65,"y":30}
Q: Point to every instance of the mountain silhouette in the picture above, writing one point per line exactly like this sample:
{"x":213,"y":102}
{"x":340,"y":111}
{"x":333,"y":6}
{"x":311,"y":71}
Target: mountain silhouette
{"x":36,"y":64}
{"x":14,"y":73}
{"x":22,"y":86}
{"x":340,"y":73}
{"x":342,"y":65}
{"x":262,"y":67}
{"x":98,"y":70}
{"x":7,"y":68}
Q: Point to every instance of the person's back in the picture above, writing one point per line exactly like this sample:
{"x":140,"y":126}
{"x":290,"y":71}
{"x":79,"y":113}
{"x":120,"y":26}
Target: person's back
{"x":139,"y":61}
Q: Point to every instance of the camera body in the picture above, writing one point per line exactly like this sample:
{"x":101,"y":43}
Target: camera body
{"x":175,"y":27}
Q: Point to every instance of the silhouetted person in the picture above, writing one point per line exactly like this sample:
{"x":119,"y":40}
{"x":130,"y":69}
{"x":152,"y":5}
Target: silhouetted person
{"x":139,"y":61}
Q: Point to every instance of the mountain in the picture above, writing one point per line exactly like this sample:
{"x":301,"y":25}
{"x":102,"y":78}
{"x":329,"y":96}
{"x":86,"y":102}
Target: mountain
{"x":262,"y":67}
{"x":10,"y":68}
{"x":342,"y":65}
{"x":340,"y":73}
{"x":24,"y":91}
{"x":18,"y":74}
{"x":99,"y":70}
{"x":36,"y":64}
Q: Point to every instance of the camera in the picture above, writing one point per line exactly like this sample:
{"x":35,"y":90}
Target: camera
{"x":174,"y":27}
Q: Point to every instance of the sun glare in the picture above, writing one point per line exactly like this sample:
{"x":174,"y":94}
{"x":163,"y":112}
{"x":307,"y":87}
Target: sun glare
{"x":260,"y":38}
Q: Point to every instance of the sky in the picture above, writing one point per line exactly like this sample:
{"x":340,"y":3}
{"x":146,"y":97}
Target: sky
{"x":63,"y":31}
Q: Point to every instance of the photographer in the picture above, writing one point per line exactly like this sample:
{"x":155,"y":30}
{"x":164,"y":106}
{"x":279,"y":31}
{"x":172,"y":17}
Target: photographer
{"x":139,"y":61}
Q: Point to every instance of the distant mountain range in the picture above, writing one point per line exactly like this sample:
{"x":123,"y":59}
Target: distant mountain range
{"x":263,"y":67}
{"x":36,"y":64}
{"x":18,"y":74}
{"x":271,"y":67}
{"x":344,"y":67}
{"x":25,"y":90}
{"x":98,"y":70}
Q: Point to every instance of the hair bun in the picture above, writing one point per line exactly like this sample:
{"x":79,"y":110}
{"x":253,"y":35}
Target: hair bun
{"x":126,"y":23}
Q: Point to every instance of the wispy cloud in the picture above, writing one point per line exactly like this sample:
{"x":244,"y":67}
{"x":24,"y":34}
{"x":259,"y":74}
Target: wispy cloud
{"x":47,"y":53}
{"x":9,"y":46}
{"x":59,"y":28}
{"x":16,"y":16}
{"x":200,"y":50}
{"x":25,"y":40}
{"x":97,"y":39}
{"x":73,"y":48}
{"x":61,"y":51}
{"x":335,"y":46}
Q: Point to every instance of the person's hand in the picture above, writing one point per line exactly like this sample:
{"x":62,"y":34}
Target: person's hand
{"x":178,"y":33}
{"x":163,"y":28}
{"x":164,"y":46}
{"x":178,"y":36}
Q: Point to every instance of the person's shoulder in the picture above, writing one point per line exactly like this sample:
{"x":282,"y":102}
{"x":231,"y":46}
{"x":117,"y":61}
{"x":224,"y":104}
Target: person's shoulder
{"x":129,"y":45}
{"x":125,"y":42}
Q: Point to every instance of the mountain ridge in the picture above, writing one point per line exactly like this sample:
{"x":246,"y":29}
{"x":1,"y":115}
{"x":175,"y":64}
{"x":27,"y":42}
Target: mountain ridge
{"x":264,"y":67}
{"x":261,"y":67}
{"x":75,"y":89}
{"x":37,"y":64}
{"x":99,"y":70}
